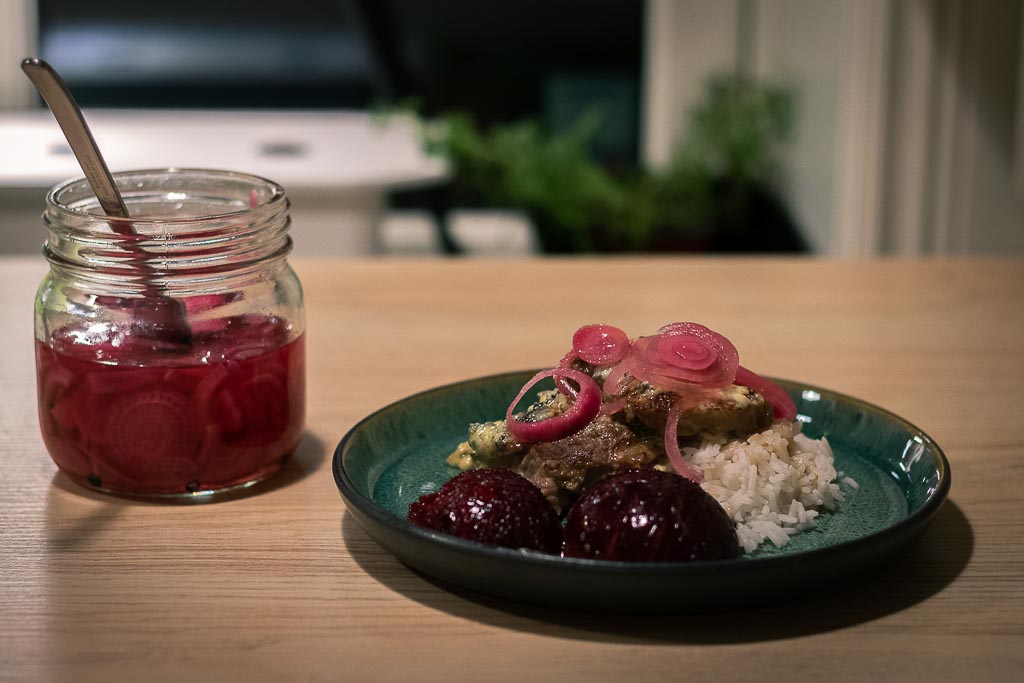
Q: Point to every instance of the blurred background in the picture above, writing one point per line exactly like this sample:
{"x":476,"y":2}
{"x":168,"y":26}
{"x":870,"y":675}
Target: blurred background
{"x":842,"y":128}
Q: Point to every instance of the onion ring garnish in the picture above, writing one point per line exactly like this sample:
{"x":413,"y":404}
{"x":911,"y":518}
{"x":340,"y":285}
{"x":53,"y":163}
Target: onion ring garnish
{"x":596,"y":345}
{"x":613,"y":406}
{"x":561,"y":383}
{"x":685,"y":354}
{"x":600,"y":344}
{"x":782,"y":405}
{"x":675,"y":456}
{"x":585,"y":406}
{"x":615,"y":380}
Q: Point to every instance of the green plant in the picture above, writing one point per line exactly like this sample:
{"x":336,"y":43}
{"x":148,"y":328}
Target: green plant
{"x":733,"y":138}
{"x":552,"y":177}
{"x":736,"y":130}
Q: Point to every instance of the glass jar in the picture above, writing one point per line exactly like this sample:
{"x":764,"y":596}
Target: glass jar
{"x":170,"y":354}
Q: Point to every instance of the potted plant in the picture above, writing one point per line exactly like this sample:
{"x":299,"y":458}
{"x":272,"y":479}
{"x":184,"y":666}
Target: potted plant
{"x":715,"y":195}
{"x":720,"y":176}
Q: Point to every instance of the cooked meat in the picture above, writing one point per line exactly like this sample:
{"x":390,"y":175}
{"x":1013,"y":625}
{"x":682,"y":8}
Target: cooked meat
{"x":632,"y":438}
{"x":490,"y":444}
{"x":734,"y":410}
{"x":561,"y":468}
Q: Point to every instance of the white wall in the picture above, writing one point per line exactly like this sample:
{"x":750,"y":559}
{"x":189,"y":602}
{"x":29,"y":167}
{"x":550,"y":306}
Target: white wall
{"x":17,"y":41}
{"x":908,"y":115}
{"x":954,"y":127}
{"x":685,"y":42}
{"x":992,"y":221}
{"x":797,"y":44}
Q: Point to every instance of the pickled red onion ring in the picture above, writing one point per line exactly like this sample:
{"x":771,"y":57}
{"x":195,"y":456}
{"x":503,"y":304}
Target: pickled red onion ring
{"x":685,"y":353}
{"x":613,"y":406}
{"x":782,"y":405}
{"x":684,"y":328}
{"x":596,"y":345}
{"x":614,"y":381}
{"x":600,"y":344}
{"x":675,"y":456}
{"x":585,"y":406}
{"x":561,"y":383}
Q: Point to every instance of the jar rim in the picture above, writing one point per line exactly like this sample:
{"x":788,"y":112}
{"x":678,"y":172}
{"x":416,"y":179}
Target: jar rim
{"x":277,"y":196}
{"x":219,"y":231}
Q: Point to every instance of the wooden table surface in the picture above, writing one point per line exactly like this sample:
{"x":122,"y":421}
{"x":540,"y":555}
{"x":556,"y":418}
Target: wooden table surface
{"x":283,"y":585}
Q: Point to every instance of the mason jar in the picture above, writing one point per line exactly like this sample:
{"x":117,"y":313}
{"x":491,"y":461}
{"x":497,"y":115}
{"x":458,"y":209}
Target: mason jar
{"x":170,"y":355}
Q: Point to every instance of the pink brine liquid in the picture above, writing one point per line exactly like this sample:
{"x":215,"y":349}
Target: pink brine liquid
{"x":133,"y":415}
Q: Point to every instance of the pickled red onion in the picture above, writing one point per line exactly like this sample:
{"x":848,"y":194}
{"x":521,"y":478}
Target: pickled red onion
{"x":614,"y":380}
{"x":585,"y":406}
{"x":600,"y":344}
{"x":561,"y":383}
{"x":597,"y":345}
{"x":675,"y":456}
{"x":782,"y":405}
{"x":683,"y":354}
{"x":613,"y":406}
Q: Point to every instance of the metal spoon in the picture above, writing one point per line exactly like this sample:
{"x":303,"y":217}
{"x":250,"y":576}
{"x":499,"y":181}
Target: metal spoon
{"x":160,"y":313}
{"x":58,"y":98}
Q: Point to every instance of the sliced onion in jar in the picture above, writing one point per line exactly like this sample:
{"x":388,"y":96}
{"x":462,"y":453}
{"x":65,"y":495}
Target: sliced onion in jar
{"x":782,"y":405}
{"x":585,"y":406}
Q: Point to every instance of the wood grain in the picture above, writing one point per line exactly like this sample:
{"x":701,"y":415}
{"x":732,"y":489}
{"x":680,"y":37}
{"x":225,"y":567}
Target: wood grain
{"x":283,"y":585}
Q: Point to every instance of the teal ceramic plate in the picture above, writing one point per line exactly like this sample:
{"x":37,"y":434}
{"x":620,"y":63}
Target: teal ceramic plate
{"x":398,"y":453}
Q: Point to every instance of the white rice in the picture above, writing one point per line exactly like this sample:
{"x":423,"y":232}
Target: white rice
{"x":773,"y":485}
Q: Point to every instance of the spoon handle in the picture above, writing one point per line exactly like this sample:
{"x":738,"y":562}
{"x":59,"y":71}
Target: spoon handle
{"x":69,"y":117}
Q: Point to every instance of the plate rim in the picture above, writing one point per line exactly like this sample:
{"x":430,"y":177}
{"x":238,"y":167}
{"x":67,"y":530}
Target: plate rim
{"x":367,"y":506}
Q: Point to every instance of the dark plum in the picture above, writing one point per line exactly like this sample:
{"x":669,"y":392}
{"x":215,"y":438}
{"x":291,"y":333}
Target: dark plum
{"x":645,"y":515}
{"x":493,"y":506}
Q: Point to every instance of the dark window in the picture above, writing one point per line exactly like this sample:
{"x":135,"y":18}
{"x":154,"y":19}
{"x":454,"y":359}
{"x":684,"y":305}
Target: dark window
{"x":545,"y":59}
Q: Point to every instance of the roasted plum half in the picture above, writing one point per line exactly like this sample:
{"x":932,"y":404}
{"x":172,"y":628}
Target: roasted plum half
{"x":646,"y":515}
{"x":493,"y":506}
